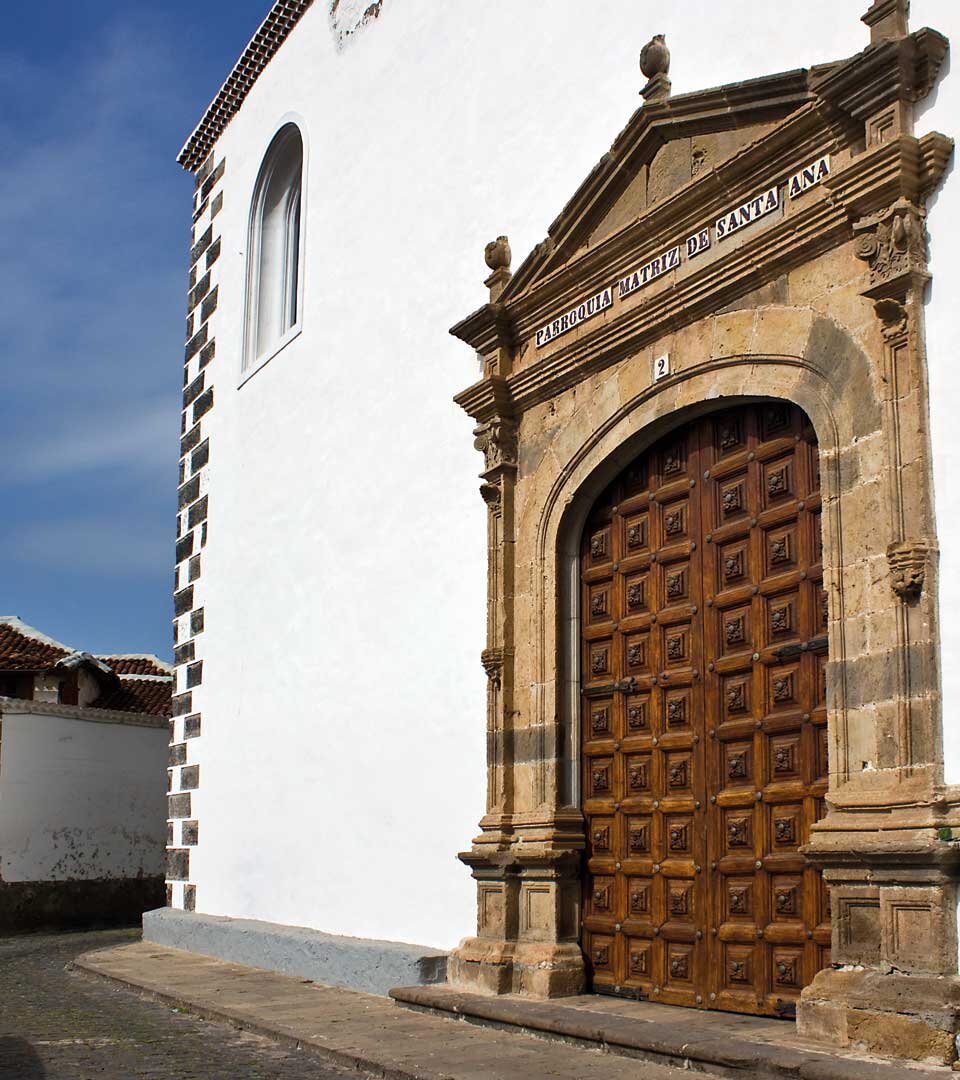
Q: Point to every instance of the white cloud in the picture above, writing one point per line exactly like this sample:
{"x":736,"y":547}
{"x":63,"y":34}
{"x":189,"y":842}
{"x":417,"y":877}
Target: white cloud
{"x":133,"y":442}
{"x":106,"y":546}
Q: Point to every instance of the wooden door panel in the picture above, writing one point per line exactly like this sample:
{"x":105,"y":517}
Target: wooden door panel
{"x":704,"y":747}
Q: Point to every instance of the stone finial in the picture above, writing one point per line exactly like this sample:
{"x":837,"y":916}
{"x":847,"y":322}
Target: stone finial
{"x":888,"y":20}
{"x":655,"y":66}
{"x":497,"y":256}
{"x":655,"y":57}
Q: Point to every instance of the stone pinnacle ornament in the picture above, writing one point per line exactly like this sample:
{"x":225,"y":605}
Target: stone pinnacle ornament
{"x":497,"y":253}
{"x":655,"y":64}
{"x":497,"y":256}
{"x":655,"y":57}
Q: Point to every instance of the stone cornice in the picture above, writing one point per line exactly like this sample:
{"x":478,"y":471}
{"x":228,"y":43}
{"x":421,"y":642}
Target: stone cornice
{"x":902,"y":168}
{"x":20,"y":707}
{"x":903,"y":70}
{"x":486,"y":399}
{"x":802,"y":237}
{"x":811,"y":131}
{"x":486,"y":329}
{"x":820,"y":111}
{"x":868,"y":184}
{"x":721,"y":108}
{"x":263,"y":46}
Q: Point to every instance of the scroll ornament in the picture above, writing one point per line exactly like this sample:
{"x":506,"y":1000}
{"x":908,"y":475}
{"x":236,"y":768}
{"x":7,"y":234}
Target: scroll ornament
{"x":893,"y":242}
{"x":497,"y":441}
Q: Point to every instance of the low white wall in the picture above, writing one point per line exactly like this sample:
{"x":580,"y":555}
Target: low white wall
{"x":80,"y":800}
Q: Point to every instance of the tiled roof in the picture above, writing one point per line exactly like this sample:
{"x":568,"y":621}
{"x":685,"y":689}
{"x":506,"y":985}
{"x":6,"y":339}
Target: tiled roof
{"x":22,"y":648}
{"x":150,"y":695}
{"x":137,"y":664}
{"x":274,"y":30}
{"x":144,"y":682}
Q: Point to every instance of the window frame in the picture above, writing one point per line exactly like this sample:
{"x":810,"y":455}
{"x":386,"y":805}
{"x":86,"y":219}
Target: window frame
{"x":250,"y":361}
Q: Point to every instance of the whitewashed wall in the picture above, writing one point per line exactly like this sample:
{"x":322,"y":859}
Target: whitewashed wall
{"x":941,"y":112}
{"x":342,"y":756}
{"x":80,"y":800}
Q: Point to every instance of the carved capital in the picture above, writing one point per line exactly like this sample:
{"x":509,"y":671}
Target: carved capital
{"x":908,"y":567}
{"x":893,"y":243}
{"x":497,"y":441}
{"x":492,"y":660}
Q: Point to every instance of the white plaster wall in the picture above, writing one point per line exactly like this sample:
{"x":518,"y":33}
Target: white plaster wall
{"x":941,"y":112}
{"x":342,"y":756}
{"x":80,"y":800}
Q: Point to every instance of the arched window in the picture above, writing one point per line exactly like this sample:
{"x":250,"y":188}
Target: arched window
{"x":273,"y":274}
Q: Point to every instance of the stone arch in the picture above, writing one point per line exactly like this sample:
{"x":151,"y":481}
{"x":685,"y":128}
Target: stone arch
{"x":820,"y":381}
{"x":878,"y":541}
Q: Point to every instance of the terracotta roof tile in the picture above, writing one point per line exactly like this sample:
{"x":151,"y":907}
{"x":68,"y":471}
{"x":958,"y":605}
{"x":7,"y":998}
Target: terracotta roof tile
{"x":21,"y":652}
{"x":144,"y":683}
{"x":273,"y":31}
{"x":135,"y":665}
{"x":151,"y":696}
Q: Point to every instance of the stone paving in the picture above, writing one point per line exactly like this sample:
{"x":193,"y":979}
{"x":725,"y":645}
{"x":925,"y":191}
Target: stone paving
{"x":372,"y":1033}
{"x":63,"y":1026}
{"x":132,"y":1010}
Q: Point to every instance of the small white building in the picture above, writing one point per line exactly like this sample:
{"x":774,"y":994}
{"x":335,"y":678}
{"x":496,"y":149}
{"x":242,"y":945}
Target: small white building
{"x":83,"y":745}
{"x":335,"y":738}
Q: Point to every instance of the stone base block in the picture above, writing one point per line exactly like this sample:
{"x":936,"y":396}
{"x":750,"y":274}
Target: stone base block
{"x":915,"y":1017}
{"x":68,"y":905}
{"x":503,"y":967}
{"x":365,"y":964}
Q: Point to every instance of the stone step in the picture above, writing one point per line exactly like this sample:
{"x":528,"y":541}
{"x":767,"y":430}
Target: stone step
{"x":715,"y":1043}
{"x":365,"y":1032}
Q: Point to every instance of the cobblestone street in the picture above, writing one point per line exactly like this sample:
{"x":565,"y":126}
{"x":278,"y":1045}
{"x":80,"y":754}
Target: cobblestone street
{"x":63,"y":1026}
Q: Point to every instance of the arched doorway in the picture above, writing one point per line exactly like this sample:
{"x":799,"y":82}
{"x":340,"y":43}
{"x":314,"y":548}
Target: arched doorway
{"x":703,"y":716}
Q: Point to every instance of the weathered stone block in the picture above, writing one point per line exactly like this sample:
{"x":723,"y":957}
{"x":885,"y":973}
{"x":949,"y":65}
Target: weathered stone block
{"x":178,"y":864}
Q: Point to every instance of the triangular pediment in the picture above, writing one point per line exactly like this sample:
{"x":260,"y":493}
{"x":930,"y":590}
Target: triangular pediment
{"x":688,"y":172}
{"x":672,"y":144}
{"x":664,"y":146}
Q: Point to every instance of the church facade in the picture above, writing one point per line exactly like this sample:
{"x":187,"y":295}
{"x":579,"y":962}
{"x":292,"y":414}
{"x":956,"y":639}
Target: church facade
{"x":717,"y":758}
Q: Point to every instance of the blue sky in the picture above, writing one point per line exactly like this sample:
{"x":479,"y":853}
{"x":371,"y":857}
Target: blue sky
{"x":95,"y":101}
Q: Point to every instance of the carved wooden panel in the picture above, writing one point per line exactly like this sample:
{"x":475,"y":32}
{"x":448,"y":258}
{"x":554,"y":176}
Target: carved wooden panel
{"x":704,"y":739}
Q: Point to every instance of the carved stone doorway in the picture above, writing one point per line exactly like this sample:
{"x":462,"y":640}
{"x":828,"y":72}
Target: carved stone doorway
{"x":703,"y":717}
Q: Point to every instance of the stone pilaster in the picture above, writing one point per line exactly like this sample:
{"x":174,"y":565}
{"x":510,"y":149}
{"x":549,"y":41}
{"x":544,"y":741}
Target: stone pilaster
{"x":528,"y":886}
{"x":497,"y":440}
{"x":527,"y":893}
{"x":885,"y":847}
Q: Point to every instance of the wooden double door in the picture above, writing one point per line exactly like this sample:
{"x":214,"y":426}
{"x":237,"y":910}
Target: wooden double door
{"x":703,"y":721}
